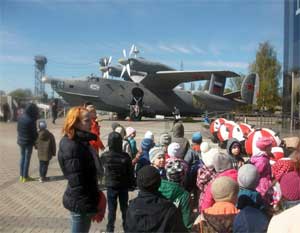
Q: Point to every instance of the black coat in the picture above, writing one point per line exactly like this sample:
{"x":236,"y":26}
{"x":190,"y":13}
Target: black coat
{"x":118,"y":170}
{"x":27,"y":131}
{"x":150,"y":212}
{"x":78,"y":166}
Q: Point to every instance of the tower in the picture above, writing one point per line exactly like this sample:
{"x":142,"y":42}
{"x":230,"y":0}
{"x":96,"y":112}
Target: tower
{"x":39,"y":86}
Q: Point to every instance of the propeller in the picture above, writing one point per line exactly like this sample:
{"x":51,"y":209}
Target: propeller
{"x":125,"y":63}
{"x":105,"y":62}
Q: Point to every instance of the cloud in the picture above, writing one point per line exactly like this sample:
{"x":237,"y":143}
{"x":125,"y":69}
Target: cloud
{"x":16,"y":59}
{"x":223,"y":64}
{"x":166,"y":48}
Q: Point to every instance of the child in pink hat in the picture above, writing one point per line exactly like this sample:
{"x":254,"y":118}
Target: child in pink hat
{"x":261,"y":161}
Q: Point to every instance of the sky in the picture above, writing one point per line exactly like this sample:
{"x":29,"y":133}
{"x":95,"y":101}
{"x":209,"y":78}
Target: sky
{"x":74,"y":34}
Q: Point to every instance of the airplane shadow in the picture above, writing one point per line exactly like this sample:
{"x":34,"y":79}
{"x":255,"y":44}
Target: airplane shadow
{"x":56,"y":178}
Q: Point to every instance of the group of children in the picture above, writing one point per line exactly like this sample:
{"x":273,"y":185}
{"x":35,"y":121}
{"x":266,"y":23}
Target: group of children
{"x":214,"y":191}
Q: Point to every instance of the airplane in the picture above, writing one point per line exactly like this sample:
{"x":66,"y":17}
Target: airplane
{"x":149,"y":90}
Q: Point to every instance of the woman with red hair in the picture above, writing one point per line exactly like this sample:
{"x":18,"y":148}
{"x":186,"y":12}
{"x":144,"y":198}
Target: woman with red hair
{"x":78,"y":166}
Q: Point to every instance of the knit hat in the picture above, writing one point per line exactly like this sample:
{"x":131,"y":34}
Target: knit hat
{"x":165,"y":139}
{"x":248,"y":176}
{"x":120,"y":129}
{"x":222,"y":162}
{"x":114,"y":142}
{"x":224,"y":189}
{"x":148,"y":179}
{"x":114,"y":125}
{"x":204,"y":147}
{"x":149,"y":135}
{"x":282,"y":167}
{"x":174,"y":150}
{"x":175,"y":171}
{"x":42,"y":125}
{"x":207,"y":154}
{"x":263,"y":142}
{"x":290,"y":186}
{"x":155,"y":153}
{"x":197,"y":138}
{"x":129,"y":131}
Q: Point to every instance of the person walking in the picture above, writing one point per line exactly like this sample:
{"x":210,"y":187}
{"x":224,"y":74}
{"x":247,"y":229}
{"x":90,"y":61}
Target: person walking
{"x":27,"y":135}
{"x":46,"y":148}
{"x":54,"y":110}
{"x":77,"y":162}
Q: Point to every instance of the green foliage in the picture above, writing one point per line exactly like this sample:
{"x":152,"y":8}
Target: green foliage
{"x":21,"y":93}
{"x":268,"y":68}
{"x":227,"y":90}
{"x":235,"y":84}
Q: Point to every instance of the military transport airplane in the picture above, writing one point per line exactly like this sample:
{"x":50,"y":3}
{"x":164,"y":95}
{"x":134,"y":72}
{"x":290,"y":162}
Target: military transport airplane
{"x":150,"y":90}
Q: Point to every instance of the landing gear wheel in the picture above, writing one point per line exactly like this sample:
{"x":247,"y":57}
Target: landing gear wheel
{"x":121,"y":116}
{"x":135,"y":117}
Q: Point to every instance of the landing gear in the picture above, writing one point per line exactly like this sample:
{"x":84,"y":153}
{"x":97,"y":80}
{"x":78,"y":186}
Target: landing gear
{"x":135,"y":112}
{"x":136,"y":105}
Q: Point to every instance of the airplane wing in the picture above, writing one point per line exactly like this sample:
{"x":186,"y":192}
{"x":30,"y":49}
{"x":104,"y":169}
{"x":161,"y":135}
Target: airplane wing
{"x":170,"y":79}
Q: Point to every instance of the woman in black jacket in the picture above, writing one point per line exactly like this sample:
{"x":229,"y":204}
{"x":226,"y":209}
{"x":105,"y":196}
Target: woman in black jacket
{"x":77,"y":162}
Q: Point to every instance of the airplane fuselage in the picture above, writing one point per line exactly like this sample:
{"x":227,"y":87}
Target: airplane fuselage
{"x":115,"y":96}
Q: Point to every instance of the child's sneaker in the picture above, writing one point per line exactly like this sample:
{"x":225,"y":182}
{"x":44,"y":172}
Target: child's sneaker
{"x":21,"y":178}
{"x":41,"y":180}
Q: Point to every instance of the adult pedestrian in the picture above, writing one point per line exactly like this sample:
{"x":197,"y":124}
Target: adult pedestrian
{"x":77,"y":162}
{"x":54,"y":110}
{"x":27,"y":135}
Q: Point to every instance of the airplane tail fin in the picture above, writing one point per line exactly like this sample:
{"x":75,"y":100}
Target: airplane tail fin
{"x":250,"y":88}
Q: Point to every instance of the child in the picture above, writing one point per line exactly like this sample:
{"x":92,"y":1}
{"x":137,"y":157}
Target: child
{"x":130,"y":135}
{"x":261,"y":161}
{"x":220,"y":216}
{"x":234,"y":149}
{"x":157,"y":159}
{"x":46,"y":148}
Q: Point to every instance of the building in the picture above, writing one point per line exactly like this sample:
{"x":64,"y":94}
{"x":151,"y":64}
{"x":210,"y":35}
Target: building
{"x":291,"y":59}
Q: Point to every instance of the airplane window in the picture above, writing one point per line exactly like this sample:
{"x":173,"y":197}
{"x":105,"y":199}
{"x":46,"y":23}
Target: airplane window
{"x":71,"y":86}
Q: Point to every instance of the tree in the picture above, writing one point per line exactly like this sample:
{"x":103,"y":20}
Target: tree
{"x":268,"y":68}
{"x":235,"y":83}
{"x":21,"y":93}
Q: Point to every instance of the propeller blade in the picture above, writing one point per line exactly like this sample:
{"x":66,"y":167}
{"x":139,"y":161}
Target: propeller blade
{"x":123,"y":71}
{"x":109,"y":60}
{"x":128,"y":69}
{"x":124,"y":53}
{"x":131,"y":50}
{"x":105,"y":61}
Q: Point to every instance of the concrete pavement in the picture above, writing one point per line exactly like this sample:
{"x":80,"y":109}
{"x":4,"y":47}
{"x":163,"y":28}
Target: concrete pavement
{"x":37,"y":207}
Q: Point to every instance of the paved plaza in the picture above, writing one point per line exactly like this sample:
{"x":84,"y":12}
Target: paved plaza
{"x":37,"y":207}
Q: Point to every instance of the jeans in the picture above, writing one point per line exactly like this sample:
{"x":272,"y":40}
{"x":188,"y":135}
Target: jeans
{"x":26,"y":151}
{"x":80,"y":222}
{"x":43,"y":168}
{"x":112,"y":198}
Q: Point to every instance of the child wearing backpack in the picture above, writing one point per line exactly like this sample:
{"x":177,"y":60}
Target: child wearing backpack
{"x":46,"y":148}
